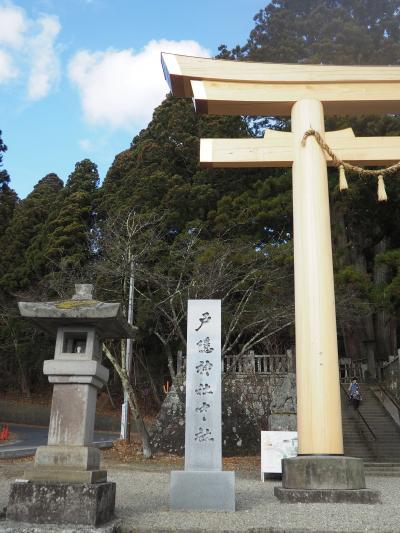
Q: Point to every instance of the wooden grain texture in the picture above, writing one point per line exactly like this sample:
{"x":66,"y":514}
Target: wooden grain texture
{"x":181,"y":70}
{"x":319,"y":423}
{"x":277,"y":99}
{"x":276,"y":150}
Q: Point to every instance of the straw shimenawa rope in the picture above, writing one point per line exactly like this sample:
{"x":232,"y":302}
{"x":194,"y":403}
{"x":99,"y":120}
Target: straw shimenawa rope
{"x":363,"y":172}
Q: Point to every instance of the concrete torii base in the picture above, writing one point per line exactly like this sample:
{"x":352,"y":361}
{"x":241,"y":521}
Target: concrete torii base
{"x":324,"y":479}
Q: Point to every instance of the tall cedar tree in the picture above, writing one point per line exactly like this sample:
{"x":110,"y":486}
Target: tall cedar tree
{"x":67,"y":231}
{"x":16,"y":265}
{"x":160,"y":170}
{"x":8,"y":197}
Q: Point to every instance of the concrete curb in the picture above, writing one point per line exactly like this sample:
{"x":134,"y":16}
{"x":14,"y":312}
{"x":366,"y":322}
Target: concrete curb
{"x":124,"y":527}
{"x":39,"y":415}
{"x":9,"y":526}
{"x":14,"y":454}
{"x":26,"y":452}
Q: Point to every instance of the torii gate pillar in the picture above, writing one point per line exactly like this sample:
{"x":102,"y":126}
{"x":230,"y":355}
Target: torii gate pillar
{"x":319,"y":420}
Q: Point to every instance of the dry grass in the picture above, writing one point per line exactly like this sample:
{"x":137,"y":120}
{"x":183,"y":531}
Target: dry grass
{"x":131,"y":453}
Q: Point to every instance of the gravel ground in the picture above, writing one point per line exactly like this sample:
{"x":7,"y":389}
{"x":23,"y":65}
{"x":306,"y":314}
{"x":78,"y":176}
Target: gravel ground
{"x":143,"y":493}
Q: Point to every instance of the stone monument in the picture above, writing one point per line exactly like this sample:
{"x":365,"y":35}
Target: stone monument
{"x":203,"y":485}
{"x":66,"y":484}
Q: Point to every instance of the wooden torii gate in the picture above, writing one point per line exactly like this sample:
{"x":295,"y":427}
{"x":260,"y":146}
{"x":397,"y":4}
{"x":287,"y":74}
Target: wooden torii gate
{"x":304,"y":92}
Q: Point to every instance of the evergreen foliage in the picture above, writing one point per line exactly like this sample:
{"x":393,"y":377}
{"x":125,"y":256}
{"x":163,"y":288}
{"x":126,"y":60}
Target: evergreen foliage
{"x":340,"y":32}
{"x":18,"y":263}
{"x":67,"y":230}
{"x":8,"y":197}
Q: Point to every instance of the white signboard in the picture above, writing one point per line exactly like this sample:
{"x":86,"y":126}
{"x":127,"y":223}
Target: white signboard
{"x":203,"y":442}
{"x":275,"y":446}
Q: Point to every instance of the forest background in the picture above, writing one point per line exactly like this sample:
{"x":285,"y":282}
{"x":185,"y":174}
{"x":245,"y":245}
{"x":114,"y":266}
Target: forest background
{"x":184,"y":232}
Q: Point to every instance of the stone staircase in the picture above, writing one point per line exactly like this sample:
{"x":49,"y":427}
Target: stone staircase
{"x":355,"y":440}
{"x":382,"y":453}
{"x":382,"y":469}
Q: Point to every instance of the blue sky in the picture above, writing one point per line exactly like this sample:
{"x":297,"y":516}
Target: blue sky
{"x":79,"y":78}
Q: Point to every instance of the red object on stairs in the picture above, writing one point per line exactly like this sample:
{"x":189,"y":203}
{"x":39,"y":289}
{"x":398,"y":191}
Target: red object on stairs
{"x":5,"y":432}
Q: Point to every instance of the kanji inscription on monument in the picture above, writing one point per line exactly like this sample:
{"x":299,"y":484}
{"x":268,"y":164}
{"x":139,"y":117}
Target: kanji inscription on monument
{"x":203,"y":386}
{"x":202,"y":485}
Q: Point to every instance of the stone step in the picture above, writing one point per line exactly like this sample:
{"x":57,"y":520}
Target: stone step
{"x":377,"y":418}
{"x":359,"y":448}
{"x":352,"y":450}
{"x":356,"y":449}
{"x":382,"y":474}
{"x":354,"y":437}
{"x":389,"y":452}
{"x":354,"y":443}
{"x":381,"y":464}
{"x":386,"y":459}
{"x":377,"y":469}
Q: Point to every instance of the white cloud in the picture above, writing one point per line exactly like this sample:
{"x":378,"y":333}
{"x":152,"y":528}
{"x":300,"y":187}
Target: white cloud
{"x":28,"y":48}
{"x":45,"y":68}
{"x":86,"y":145}
{"x":13,"y":25}
{"x":7,"y":69}
{"x":121,"y":88}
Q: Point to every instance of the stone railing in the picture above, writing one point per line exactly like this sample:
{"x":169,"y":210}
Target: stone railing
{"x":251,"y":363}
{"x":388,"y":372}
{"x":349,"y":368}
{"x":390,"y":376}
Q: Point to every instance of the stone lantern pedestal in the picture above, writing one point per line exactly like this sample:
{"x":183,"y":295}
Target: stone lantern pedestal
{"x":66,"y":484}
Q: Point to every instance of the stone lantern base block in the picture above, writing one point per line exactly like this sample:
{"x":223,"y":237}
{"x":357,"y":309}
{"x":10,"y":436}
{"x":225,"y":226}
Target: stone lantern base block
{"x":61,"y":456}
{"x":324,"y":478}
{"x":65,"y":475}
{"x":62,"y":503}
{"x":202,"y":490}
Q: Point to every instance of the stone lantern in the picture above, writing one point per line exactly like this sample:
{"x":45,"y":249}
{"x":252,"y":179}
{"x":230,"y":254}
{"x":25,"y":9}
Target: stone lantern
{"x":66,"y":484}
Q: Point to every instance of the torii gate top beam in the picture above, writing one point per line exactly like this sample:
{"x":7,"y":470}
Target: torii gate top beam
{"x":237,"y":87}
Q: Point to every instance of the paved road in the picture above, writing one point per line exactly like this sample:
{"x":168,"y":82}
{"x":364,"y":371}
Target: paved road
{"x":28,"y":438}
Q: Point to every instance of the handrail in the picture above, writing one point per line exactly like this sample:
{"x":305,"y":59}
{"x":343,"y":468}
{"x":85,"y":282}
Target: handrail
{"x":389,"y":395}
{"x":389,"y":363}
{"x":366,"y":423}
{"x":389,"y":403}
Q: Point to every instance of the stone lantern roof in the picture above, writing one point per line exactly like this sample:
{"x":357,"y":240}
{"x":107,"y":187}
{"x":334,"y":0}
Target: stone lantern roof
{"x":81,"y":309}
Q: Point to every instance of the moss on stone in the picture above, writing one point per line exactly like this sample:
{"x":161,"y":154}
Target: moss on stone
{"x":72,"y":304}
